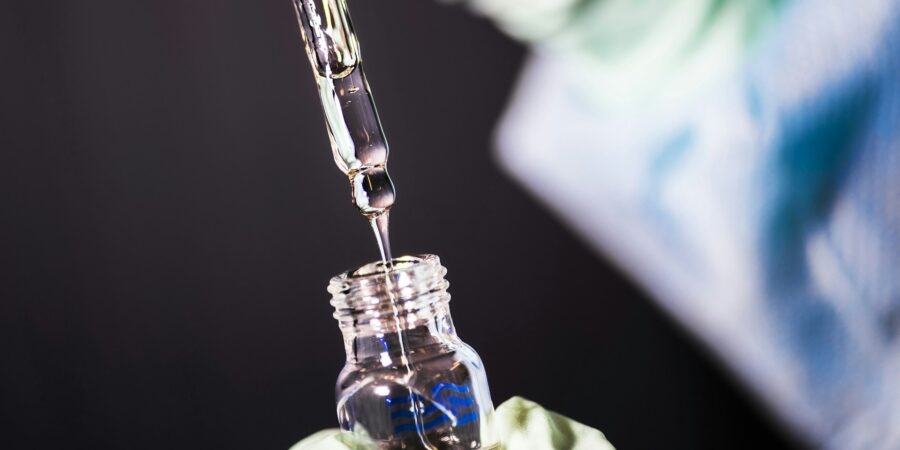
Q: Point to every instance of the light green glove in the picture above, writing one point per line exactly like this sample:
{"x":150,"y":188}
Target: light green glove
{"x":525,"y":425}
{"x":520,"y":424}
{"x":624,"y":53}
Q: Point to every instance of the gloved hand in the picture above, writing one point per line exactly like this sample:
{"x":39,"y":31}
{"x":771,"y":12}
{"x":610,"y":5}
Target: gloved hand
{"x":520,"y":424}
{"x":629,"y":52}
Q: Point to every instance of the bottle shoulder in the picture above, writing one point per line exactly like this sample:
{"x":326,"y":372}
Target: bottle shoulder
{"x":445,"y":361}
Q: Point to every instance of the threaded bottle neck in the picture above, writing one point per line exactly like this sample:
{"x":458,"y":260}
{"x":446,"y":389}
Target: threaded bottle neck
{"x":372,"y":300}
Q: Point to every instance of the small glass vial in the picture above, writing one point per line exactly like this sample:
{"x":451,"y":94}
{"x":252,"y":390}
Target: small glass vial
{"x":409,"y":382}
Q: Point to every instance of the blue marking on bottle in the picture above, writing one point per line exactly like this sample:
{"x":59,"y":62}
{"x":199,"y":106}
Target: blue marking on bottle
{"x":453,"y":387}
{"x":444,"y":398}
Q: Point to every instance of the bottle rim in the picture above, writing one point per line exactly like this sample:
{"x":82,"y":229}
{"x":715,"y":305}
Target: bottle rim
{"x":413,"y":283}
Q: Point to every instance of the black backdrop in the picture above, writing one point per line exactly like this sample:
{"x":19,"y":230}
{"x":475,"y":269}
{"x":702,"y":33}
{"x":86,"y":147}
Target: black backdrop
{"x":171,"y":214}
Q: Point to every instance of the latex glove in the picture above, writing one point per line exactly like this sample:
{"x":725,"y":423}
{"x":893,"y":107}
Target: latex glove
{"x":520,"y":424}
{"x":628,"y":52}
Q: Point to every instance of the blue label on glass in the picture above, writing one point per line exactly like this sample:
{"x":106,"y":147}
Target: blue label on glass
{"x":450,"y":403}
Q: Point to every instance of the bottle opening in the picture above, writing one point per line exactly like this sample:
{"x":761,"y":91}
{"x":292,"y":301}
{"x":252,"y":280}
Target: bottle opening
{"x":402,"y":269}
{"x":381,"y":290}
{"x":381,"y":268}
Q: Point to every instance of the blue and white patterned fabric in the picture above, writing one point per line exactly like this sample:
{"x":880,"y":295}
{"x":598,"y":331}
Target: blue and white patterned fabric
{"x":741,"y":160}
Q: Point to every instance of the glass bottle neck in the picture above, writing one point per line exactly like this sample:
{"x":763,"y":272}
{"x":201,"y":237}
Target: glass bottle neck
{"x":390,"y":347}
{"x":387,"y":316}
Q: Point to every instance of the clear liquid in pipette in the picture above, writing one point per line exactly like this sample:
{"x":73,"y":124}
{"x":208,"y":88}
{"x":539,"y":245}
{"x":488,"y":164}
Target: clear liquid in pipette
{"x":357,"y":139}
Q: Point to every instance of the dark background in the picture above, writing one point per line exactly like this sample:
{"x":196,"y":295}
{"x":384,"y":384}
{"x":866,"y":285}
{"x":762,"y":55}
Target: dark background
{"x":171,"y":215}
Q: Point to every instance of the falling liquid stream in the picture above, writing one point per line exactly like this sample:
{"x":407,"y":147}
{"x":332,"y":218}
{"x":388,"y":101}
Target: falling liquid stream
{"x":380,"y":228}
